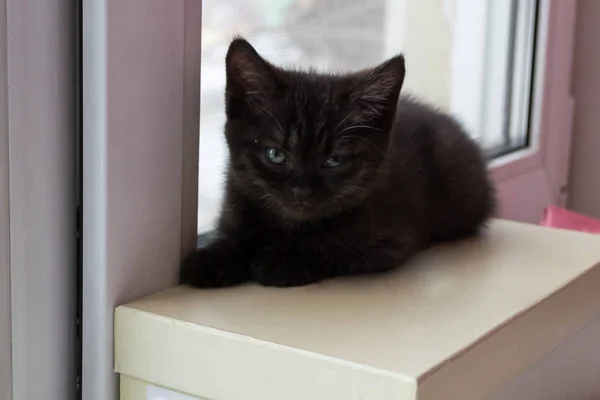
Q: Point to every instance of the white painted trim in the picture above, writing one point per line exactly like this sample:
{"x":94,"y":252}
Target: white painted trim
{"x":41,"y":148}
{"x":5,"y":339}
{"x":140,"y":151}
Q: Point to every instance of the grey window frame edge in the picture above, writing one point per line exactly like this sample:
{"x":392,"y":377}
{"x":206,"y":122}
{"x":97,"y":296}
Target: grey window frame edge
{"x":5,"y":292}
{"x":37,"y":200}
{"x":141,"y":223}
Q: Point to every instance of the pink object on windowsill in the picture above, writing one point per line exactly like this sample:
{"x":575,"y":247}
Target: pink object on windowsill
{"x":557,"y":217}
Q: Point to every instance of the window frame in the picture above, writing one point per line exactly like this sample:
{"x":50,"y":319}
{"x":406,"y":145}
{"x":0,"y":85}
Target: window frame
{"x":500,"y":118}
{"x":5,"y":283}
{"x":37,"y":200}
{"x":544,"y":164}
{"x":141,"y":94}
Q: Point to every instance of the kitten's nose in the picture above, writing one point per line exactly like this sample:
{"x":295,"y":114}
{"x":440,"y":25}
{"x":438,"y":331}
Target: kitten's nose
{"x":301,"y":192}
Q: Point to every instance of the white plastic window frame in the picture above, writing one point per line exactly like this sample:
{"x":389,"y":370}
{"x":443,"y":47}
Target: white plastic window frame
{"x":487,"y":85}
{"x":477,"y":77}
{"x":536,"y":176}
{"x":141,"y":101}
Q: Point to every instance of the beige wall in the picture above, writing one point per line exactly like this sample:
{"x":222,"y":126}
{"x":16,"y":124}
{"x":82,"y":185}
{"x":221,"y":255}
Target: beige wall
{"x":584,"y":193}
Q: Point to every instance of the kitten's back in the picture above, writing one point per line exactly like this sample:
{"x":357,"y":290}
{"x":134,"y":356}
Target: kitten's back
{"x":443,"y":170}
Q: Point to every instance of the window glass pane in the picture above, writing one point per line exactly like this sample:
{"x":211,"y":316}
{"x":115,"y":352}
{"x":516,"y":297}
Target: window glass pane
{"x":473,"y":58}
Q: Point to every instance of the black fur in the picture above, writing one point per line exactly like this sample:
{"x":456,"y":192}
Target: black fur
{"x":408,"y":177}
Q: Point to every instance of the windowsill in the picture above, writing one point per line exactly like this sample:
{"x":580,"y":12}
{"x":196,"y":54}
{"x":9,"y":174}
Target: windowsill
{"x":459,"y":321}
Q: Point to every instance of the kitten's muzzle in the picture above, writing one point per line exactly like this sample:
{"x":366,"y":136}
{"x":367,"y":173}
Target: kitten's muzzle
{"x":301,"y":193}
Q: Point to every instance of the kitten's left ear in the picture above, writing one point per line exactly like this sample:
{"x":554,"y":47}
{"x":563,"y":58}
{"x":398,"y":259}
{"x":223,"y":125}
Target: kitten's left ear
{"x":247,"y":72}
{"x":379,"y":88}
{"x":252,"y":82}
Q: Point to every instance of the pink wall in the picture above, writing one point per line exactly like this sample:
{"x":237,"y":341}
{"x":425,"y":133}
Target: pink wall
{"x":584,"y":193}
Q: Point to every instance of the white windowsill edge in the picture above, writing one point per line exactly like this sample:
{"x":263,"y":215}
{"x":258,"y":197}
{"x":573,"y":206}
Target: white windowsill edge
{"x":459,"y":321}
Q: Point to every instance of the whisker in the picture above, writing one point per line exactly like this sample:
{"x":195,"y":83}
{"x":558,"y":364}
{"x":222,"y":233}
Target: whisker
{"x":359,"y":126}
{"x":370,"y":215}
{"x":343,"y":120}
{"x":274,"y":119}
{"x":367,"y":262}
{"x":366,"y":140}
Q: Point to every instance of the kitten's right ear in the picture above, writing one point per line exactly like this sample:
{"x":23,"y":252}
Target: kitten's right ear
{"x":248,"y":74}
{"x":379,"y":88}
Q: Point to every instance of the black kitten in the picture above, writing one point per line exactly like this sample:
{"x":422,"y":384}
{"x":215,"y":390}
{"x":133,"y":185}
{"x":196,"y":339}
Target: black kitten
{"x":334,"y":175}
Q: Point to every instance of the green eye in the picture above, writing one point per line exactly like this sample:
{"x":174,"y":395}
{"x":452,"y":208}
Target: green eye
{"x":332,"y":162}
{"x":275,"y":156}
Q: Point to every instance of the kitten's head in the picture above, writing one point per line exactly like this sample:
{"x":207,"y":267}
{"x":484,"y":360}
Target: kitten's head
{"x":307,"y":145}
